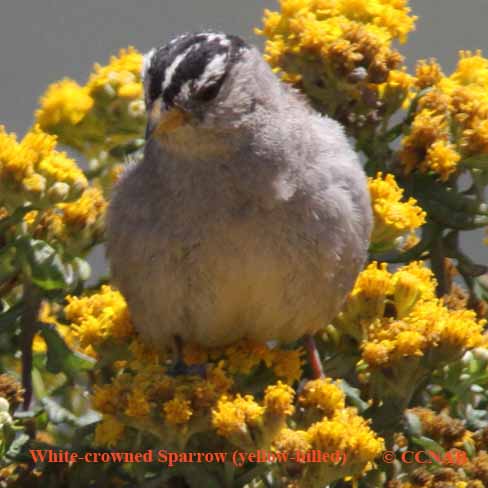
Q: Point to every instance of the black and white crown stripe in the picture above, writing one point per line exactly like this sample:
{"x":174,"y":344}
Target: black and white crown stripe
{"x":146,"y":62}
{"x":196,"y":62}
{"x":170,"y":70}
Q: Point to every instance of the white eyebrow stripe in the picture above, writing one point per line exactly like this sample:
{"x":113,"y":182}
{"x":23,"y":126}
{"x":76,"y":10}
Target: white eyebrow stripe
{"x":146,"y":63}
{"x":214,"y":69}
{"x":170,"y":70}
{"x":185,"y":89}
{"x":212,"y":36}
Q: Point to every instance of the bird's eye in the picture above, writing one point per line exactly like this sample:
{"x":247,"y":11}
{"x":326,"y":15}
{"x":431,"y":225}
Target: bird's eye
{"x":208,"y":92}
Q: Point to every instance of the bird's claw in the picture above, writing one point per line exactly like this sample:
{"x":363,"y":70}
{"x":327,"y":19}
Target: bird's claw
{"x":181,"y":369}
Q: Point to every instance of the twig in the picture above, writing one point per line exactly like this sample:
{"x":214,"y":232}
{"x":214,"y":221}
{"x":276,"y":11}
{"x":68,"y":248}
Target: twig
{"x":437,"y":258}
{"x":32,"y":303}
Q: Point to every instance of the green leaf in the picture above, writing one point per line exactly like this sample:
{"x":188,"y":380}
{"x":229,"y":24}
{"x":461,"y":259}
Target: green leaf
{"x":58,"y":414}
{"x":60,"y":358}
{"x":353,"y":394}
{"x":83,"y":268}
{"x":481,"y":287}
{"x":9,"y":318}
{"x":429,"y":444}
{"x":47,"y":269}
{"x":480,"y":161}
{"x":413,"y":424}
{"x":17,"y":446}
{"x":8,"y":262}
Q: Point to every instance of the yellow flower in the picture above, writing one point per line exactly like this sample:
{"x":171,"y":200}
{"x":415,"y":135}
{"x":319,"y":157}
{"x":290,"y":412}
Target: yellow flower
{"x":398,"y":89}
{"x":137,"y":403}
{"x":47,"y":315}
{"x":472,"y":68}
{"x":253,"y":412}
{"x":427,"y":128}
{"x":392,"y":217}
{"x":324,"y":395}
{"x":410,"y":343}
{"x":231,"y":417}
{"x":289,"y":440}
{"x":340,"y":53}
{"x":227,"y":419}
{"x":278,"y":399}
{"x":475,"y":140}
{"x":86,"y":211}
{"x":245,"y":355}
{"x":99,"y":317}
{"x":441,"y":158}
{"x":287,"y":364}
{"x":349,"y":433}
{"x":109,"y":431}
{"x":428,"y":73}
{"x":462,"y":330}
{"x":367,"y":299}
{"x":451,"y":121}
{"x":122,"y":70}
{"x":177,"y":411}
{"x":57,"y":167}
{"x":412,"y":282}
{"x":33,"y":171}
{"x":397,"y":315}
{"x":108,"y":398}
{"x":218,"y":377}
{"x":106,"y":113}
{"x":64,"y":102}
{"x":35,"y":183}
{"x":131,"y":90}
{"x":377,"y":353}
{"x":448,"y":431}
{"x":40,"y":143}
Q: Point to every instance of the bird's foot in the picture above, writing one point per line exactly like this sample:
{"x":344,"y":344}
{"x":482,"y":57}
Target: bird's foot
{"x":181,"y":369}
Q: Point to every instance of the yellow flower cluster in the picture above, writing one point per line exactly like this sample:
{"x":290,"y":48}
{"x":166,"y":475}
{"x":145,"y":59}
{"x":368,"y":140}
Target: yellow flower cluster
{"x":279,"y":399}
{"x":77,"y":225}
{"x":109,"y":431}
{"x":246,"y":356}
{"x":451,"y":121}
{"x":340,"y":53}
{"x":474,"y":473}
{"x":34,"y":171}
{"x":64,"y":102}
{"x":231,"y":418}
{"x":392,"y":217}
{"x":447,"y":431}
{"x":396,"y":315}
{"x":348,"y":432}
{"x":141,"y":386}
{"x":142,"y":394}
{"x":323,"y":395}
{"x":105,"y":113}
{"x":338,"y":428}
{"x":48,"y":315}
{"x":98,"y":318}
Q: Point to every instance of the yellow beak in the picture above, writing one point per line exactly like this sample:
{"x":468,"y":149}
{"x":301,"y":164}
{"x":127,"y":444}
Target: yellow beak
{"x":165,"y":122}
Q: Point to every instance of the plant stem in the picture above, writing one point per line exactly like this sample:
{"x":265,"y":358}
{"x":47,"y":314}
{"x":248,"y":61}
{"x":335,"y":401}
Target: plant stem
{"x":32,"y":304}
{"x":437,"y":257}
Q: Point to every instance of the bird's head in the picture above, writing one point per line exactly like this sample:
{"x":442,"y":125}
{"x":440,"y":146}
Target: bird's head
{"x":197,"y":81}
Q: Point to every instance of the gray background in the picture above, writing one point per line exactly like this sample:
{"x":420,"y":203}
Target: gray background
{"x":44,"y":40}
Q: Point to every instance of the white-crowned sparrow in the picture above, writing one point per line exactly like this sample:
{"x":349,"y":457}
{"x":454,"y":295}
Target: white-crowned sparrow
{"x":249,"y":215}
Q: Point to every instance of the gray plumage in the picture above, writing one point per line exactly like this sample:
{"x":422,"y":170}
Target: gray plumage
{"x":251,"y":220}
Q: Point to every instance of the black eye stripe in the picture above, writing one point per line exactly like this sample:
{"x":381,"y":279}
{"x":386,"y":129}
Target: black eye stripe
{"x":171,"y":67}
{"x":192,"y":67}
